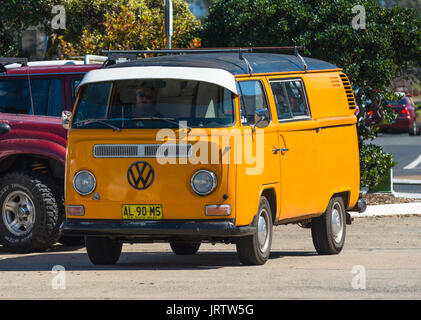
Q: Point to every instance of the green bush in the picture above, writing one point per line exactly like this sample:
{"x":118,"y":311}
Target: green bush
{"x":374,"y":164}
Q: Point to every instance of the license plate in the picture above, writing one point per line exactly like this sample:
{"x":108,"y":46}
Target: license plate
{"x":141,"y":212}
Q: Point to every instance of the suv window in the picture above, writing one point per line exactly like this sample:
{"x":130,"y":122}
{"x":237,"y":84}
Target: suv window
{"x":289,"y":99}
{"x":252,"y":98}
{"x":16,"y":96}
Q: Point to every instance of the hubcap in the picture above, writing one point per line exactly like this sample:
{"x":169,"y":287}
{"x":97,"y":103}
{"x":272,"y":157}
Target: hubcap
{"x":337,"y":223}
{"x":263,"y":231}
{"x":18,"y":213}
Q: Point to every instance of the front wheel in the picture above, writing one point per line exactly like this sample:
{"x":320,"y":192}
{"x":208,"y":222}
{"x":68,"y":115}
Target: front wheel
{"x":255,"y":249}
{"x":30,"y":216}
{"x":103,"y":251}
{"x":328,"y":230}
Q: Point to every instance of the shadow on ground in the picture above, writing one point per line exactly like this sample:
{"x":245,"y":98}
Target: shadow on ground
{"x":79,"y":261}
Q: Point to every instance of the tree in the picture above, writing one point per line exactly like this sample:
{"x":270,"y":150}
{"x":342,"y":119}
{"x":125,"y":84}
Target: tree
{"x":124,"y":24}
{"x":16,"y":16}
{"x":371,"y":56}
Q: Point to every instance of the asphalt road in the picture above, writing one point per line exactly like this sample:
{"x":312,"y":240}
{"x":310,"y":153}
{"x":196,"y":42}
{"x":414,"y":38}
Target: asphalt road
{"x":406,"y":150}
{"x":381,"y":260}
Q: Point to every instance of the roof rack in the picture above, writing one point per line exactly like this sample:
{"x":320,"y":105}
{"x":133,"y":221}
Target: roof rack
{"x":9,"y":63}
{"x":131,"y":55}
{"x":4,"y":61}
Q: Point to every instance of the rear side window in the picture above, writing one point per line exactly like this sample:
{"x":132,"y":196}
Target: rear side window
{"x":41,"y":97}
{"x":290,"y":99}
{"x":252,"y":98}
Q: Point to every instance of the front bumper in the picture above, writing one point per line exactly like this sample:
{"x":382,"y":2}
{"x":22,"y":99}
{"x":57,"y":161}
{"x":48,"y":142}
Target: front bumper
{"x":205,"y":229}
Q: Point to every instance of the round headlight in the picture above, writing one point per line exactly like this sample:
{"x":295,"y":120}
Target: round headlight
{"x":203,"y":182}
{"x":84,"y":182}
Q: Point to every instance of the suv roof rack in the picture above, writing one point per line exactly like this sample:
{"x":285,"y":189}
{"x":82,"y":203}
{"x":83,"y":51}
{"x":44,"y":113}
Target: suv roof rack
{"x":8,"y":63}
{"x":115,"y":55}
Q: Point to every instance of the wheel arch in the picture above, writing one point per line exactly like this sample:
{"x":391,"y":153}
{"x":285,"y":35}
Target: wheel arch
{"x":270,"y":194}
{"x":33,"y":161}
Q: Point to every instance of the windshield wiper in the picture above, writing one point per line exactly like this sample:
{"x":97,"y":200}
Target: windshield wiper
{"x":168,"y":120}
{"x":102,"y":121}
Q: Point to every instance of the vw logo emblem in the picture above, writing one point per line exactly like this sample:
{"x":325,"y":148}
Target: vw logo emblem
{"x":140,"y":175}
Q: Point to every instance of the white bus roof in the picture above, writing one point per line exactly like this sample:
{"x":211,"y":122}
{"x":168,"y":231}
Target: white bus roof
{"x":219,"y":77}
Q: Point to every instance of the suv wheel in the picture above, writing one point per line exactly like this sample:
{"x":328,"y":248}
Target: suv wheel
{"x":103,"y":251}
{"x":255,"y":249}
{"x":184,"y":248}
{"x":30,"y":217}
{"x":328,"y":231}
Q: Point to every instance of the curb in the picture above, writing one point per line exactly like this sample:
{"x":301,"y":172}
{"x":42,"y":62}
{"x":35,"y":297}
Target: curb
{"x":395,"y":209}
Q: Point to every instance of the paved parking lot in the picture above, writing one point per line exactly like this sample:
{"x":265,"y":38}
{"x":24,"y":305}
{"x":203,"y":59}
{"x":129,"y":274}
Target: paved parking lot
{"x":381,"y":259}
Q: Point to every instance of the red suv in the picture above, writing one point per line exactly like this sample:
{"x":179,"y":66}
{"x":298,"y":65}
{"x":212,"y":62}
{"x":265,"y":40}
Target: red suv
{"x":407,"y":120}
{"x":33,"y":150}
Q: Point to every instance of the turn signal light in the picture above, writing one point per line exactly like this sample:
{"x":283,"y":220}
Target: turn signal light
{"x":75,"y":210}
{"x":218,"y":210}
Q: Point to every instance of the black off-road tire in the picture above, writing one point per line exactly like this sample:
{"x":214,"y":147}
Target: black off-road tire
{"x":42,"y":191}
{"x":324,"y":239}
{"x":184,"y":248}
{"x":249,"y":249}
{"x":102,"y":250}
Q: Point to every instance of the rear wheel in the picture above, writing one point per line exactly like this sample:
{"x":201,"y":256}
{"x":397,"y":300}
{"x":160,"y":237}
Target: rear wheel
{"x":30,"y":216}
{"x":103,"y":251}
{"x":414,"y":129}
{"x":184,"y":248}
{"x":255,"y":249}
{"x":328,"y":231}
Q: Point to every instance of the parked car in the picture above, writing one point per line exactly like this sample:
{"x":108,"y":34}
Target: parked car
{"x":155,"y":153}
{"x":33,"y":149}
{"x":408,"y":118}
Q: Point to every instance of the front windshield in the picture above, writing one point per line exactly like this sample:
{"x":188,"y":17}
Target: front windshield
{"x":160,"y":103}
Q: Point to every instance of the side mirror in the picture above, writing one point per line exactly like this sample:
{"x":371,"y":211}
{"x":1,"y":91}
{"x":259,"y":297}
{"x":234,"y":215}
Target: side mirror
{"x":261,"y":118}
{"x":4,"y":128}
{"x":66,"y":116}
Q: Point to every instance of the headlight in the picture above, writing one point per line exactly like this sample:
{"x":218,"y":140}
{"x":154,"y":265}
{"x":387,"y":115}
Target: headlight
{"x":203,"y":182}
{"x":84,"y":182}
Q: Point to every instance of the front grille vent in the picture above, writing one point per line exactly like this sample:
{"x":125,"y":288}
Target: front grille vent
{"x":142,"y":150}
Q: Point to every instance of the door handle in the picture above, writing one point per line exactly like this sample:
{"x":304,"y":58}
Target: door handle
{"x":283,"y":150}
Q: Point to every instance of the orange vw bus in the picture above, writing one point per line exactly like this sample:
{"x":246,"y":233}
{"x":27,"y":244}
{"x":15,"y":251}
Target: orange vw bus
{"x":213,"y":147}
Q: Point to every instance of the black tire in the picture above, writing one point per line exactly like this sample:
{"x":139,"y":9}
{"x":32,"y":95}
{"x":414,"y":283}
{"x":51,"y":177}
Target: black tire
{"x":329,"y":237}
{"x":103,"y":251}
{"x":184,"y":248}
{"x":41,"y":195}
{"x":251,"y":250}
{"x":414,"y":129}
